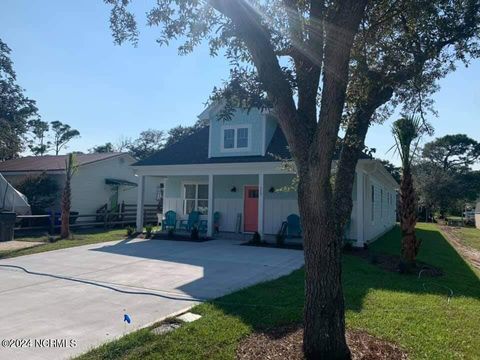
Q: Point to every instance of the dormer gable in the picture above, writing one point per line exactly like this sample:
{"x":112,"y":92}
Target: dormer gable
{"x":247,"y":133}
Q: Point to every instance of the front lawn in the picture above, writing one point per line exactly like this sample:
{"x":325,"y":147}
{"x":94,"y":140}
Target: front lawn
{"x":468,"y":236}
{"x":414,"y":313}
{"x":80,"y":237}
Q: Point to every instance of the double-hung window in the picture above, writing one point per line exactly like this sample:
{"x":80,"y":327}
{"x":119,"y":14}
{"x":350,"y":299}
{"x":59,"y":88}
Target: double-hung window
{"x":236,"y":138}
{"x":242,"y":138}
{"x":195,"y":198}
{"x":229,"y":139}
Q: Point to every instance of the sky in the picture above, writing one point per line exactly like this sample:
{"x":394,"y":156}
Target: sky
{"x":66,"y":60}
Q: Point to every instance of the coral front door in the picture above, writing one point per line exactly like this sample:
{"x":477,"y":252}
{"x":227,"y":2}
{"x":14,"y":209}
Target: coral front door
{"x":250,"y":210}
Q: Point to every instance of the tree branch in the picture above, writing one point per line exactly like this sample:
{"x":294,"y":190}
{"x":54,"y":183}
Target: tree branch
{"x":342,"y":25}
{"x":353,"y":145}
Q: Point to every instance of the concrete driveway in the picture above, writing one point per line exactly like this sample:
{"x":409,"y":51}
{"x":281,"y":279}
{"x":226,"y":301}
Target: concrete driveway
{"x":75,"y":299}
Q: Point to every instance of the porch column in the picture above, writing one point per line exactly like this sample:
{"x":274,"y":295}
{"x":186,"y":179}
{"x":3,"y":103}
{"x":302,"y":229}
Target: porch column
{"x":360,"y":210}
{"x":140,"y":202}
{"x":260,"y":203}
{"x":210,"y":206}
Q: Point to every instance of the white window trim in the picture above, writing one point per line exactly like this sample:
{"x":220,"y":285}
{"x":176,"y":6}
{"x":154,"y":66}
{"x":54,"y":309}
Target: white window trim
{"x":196,"y":195}
{"x":235,"y":137}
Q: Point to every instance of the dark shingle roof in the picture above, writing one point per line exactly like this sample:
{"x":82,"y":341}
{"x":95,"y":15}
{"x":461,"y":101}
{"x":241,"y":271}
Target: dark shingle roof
{"x":194,"y":150}
{"x":50,"y":162}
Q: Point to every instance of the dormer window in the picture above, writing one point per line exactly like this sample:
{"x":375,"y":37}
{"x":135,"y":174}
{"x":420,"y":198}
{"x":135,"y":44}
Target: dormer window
{"x":235,"y":138}
{"x":242,"y":137}
{"x":229,"y":138}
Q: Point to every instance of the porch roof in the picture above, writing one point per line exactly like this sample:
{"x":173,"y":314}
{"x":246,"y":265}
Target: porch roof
{"x":193,"y":149}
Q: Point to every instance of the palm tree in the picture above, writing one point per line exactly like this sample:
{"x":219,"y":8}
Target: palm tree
{"x":70,"y":169}
{"x":407,"y":133}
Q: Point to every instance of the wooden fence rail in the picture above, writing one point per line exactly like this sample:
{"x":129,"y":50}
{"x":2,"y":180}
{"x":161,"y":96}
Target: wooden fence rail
{"x":125,"y":215}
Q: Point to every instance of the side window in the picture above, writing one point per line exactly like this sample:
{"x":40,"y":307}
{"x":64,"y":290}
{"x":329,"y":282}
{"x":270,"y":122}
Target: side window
{"x":381,"y":203}
{"x":242,"y":138}
{"x":229,"y":138}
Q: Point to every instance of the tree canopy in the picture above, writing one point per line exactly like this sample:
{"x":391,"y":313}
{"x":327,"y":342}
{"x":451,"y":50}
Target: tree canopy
{"x":62,"y":135}
{"x":39,"y":145}
{"x":179,"y":132}
{"x":444,"y":178}
{"x":453,"y":152}
{"x":105,"y":148}
{"x":16,"y":109}
{"x":147,"y":143}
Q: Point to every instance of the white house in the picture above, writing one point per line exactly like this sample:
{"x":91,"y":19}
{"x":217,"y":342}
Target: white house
{"x":233,"y":168}
{"x":104,"y":178}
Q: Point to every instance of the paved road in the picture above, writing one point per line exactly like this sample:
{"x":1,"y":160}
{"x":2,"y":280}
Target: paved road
{"x":77,"y":297}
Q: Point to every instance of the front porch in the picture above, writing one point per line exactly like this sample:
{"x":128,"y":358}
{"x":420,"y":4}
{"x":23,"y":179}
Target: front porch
{"x":246,"y":200}
{"x":258,"y":197}
{"x":244,"y":203}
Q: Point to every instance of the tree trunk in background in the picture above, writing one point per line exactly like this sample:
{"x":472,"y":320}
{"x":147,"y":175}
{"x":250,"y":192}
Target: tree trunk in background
{"x":408,"y":219}
{"x":66,"y":204}
{"x":70,"y":169}
{"x":324,"y":312}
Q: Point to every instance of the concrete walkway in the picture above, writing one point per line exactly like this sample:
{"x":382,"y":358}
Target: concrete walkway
{"x":74,"y":299}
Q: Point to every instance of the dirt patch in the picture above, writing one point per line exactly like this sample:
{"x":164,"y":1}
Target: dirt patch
{"x":286,"y":343}
{"x":472,"y":255}
{"x":393,"y":263}
{"x":17,"y":245}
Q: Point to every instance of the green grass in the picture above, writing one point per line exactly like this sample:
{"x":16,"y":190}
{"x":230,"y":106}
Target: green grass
{"x":412,"y":312}
{"x":80,"y":237}
{"x":469,"y":236}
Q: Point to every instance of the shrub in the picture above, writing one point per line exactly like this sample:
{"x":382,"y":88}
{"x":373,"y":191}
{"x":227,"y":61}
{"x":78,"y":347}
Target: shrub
{"x":194,"y":233}
{"x":42,"y":192}
{"x":148,"y":231}
{"x":130,"y":231}
{"x":256,"y":238}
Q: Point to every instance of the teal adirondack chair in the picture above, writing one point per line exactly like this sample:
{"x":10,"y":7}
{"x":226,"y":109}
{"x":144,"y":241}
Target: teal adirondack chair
{"x":193,"y":220}
{"x":291,"y":228}
{"x":203,"y":224}
{"x":170,"y":221}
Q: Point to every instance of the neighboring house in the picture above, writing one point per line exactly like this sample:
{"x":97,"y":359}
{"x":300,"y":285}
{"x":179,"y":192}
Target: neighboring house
{"x":234,"y":168}
{"x":104,"y":178}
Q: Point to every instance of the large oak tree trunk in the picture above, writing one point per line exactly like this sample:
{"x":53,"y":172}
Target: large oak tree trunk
{"x":324,"y":318}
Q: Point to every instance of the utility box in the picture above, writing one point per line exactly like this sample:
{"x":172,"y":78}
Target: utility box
{"x":7,"y":223}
